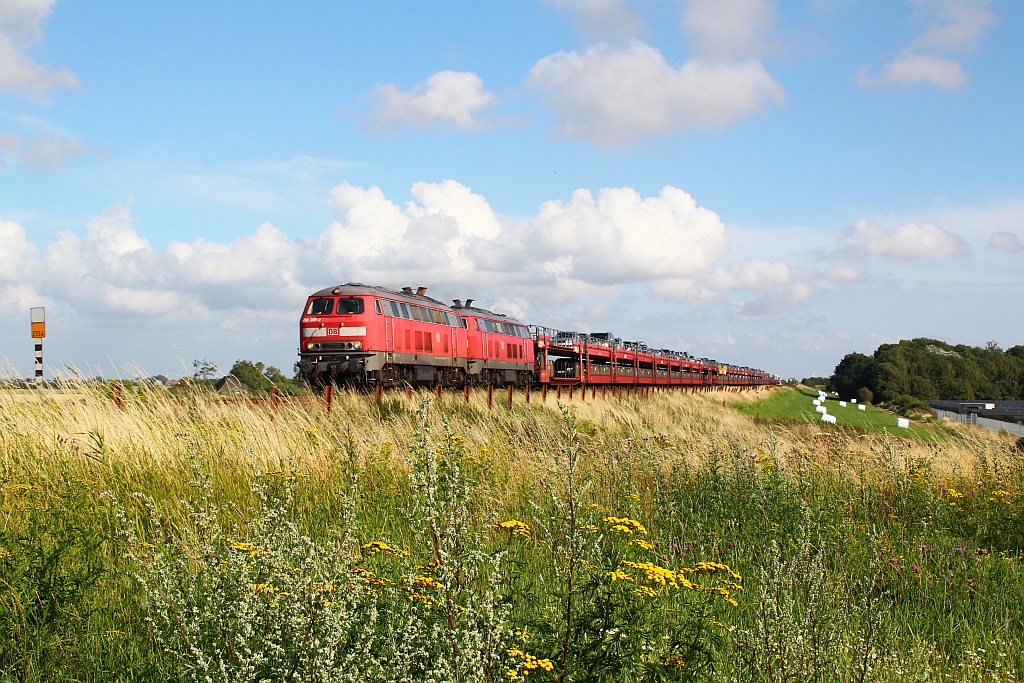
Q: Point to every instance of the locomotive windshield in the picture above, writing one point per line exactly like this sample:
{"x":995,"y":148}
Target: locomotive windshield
{"x":326,"y":305}
{"x":349,"y":306}
{"x":321,"y":306}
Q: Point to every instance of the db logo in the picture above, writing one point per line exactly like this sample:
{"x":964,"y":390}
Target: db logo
{"x":332,"y":331}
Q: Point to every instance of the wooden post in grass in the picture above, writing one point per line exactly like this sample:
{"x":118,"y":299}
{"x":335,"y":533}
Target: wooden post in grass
{"x":558,"y":395}
{"x":527,"y":394}
{"x":378,"y":393}
{"x":465,"y":393}
{"x":408,"y":392}
{"x":275,"y":398}
{"x":571,"y":387}
{"x":329,"y":398}
{"x":510,"y":388}
{"x":490,"y":395}
{"x":117,"y":389}
{"x":544,"y":394}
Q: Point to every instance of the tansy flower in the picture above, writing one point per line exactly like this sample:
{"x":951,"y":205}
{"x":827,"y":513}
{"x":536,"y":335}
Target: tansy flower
{"x":515,"y":526}
{"x":625,"y":525}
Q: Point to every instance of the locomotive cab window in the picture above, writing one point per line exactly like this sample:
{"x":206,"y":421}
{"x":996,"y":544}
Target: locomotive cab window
{"x":320,"y":306}
{"x":350,"y":306}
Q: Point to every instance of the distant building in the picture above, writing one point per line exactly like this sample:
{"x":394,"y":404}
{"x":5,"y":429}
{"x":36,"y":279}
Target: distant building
{"x":230,"y":384}
{"x":993,"y":415}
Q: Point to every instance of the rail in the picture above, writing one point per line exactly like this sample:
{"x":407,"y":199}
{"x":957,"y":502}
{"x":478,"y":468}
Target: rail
{"x":326,"y":401}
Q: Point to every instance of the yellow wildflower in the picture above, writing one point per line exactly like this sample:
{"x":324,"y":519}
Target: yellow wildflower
{"x":619,"y":575}
{"x":515,"y":526}
{"x":375,"y":547}
{"x":625,"y":525}
{"x":428,"y":582}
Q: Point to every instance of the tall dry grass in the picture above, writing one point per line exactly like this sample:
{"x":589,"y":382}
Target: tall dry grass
{"x":896,"y":524}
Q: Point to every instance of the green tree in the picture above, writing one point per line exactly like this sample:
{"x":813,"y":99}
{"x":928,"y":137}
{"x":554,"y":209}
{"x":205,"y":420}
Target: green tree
{"x":929,"y":369}
{"x":251,"y":374}
{"x":203,"y":369}
{"x":262,"y":378}
{"x":854,"y":371}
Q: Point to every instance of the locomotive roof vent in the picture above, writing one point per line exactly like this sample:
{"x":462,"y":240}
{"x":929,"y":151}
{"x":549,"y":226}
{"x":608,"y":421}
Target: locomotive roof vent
{"x":457,"y":302}
{"x":406,"y":290}
{"x":420,"y":291}
{"x":469,"y":303}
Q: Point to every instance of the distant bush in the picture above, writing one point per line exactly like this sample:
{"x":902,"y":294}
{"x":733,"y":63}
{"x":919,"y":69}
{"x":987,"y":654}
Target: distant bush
{"x":905,"y":405}
{"x":865,"y":395}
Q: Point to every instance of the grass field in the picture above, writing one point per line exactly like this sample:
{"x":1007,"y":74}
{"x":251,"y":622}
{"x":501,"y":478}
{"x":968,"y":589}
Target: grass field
{"x":794,"y":404}
{"x":674,"y":537}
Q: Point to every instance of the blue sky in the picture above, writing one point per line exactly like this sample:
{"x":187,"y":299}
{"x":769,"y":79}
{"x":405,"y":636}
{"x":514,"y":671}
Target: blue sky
{"x":766,"y":183}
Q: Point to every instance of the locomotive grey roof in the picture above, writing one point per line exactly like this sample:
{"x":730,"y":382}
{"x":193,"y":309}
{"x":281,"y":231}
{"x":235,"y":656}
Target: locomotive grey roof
{"x":474,"y":310}
{"x":359,"y":289}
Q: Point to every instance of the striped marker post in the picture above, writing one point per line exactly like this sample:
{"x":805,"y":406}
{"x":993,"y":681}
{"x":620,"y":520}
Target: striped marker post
{"x":38,"y":320}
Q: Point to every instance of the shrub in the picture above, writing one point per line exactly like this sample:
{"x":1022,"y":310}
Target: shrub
{"x":906,"y":405}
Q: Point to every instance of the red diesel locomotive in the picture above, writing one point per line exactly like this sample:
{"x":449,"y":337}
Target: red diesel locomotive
{"x":363,"y":335}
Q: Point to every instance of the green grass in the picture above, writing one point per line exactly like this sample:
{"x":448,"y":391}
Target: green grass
{"x":794,"y":405}
{"x":862,"y":557}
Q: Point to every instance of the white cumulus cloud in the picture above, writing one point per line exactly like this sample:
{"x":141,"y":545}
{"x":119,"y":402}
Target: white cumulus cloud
{"x":1006,"y":241}
{"x":909,"y":241}
{"x":21,"y":25}
{"x":910,"y":69}
{"x":16,"y":251}
{"x":775,"y":301}
{"x":729,"y":29}
{"x":620,"y":236}
{"x":47,"y":152}
{"x":602,"y":18}
{"x":446,"y":99}
{"x":615,"y":95}
{"x":753,"y":275}
{"x":953,"y":26}
{"x":956,"y":25}
{"x":845,"y":275}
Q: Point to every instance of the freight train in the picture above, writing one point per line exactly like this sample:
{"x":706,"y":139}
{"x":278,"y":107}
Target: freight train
{"x":367,"y":336}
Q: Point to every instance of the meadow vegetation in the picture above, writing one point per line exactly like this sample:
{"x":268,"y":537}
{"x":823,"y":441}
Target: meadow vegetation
{"x":669,"y":537}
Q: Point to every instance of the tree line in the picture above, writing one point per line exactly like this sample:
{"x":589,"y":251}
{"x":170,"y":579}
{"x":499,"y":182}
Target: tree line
{"x":258,"y":377}
{"x":931,"y":370}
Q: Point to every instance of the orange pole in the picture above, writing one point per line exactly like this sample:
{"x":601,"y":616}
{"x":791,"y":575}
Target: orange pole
{"x":329,"y":397}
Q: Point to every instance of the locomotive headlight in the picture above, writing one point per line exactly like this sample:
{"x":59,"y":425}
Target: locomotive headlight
{"x":314,"y":346}
{"x":357,"y":345}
